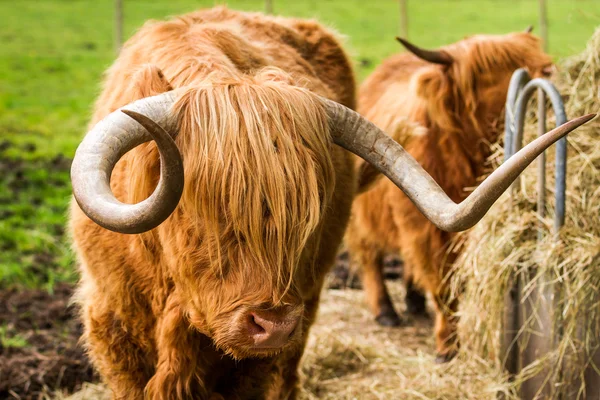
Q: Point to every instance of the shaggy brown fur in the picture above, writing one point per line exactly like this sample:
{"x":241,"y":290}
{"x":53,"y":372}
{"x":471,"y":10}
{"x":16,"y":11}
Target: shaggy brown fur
{"x":459,"y":106}
{"x":266,"y":200}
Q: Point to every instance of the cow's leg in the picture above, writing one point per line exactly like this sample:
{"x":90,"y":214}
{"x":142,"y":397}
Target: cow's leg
{"x":116,"y":352}
{"x":415,"y":299}
{"x":424,"y":250}
{"x":378,"y":298}
{"x":342,"y":274}
{"x":179,"y":365}
{"x":285,"y":382}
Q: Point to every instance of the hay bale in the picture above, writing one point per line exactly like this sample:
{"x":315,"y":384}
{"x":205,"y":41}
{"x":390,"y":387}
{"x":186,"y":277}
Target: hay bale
{"x":505,"y":243}
{"x":349,"y":356}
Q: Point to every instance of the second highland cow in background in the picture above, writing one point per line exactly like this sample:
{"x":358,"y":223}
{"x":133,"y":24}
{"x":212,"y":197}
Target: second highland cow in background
{"x":456,"y":95}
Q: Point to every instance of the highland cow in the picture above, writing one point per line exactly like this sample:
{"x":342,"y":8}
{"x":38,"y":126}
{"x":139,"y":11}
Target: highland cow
{"x":236,"y":209}
{"x":456,"y":96}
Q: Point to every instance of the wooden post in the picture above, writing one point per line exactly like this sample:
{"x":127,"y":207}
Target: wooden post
{"x":544,"y":23}
{"x":269,"y":6}
{"x":510,"y":326}
{"x":592,"y":376}
{"x":118,"y":25}
{"x":537,"y":313}
{"x":403,"y":19}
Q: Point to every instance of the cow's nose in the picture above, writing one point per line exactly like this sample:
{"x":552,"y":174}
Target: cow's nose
{"x":271,"y":330}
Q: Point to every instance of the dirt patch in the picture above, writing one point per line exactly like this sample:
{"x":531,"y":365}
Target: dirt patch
{"x":39,"y":351}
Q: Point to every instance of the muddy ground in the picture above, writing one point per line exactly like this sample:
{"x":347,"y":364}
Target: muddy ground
{"x":40,"y":355}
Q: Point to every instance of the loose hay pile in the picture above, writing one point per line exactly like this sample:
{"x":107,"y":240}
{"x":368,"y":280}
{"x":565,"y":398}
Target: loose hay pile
{"x":505,"y":242}
{"x":349,"y":356}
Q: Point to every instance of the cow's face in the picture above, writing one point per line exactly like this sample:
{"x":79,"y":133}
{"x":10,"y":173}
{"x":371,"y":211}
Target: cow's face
{"x":259,"y":177}
{"x":247,"y":307}
{"x":485,"y":64}
{"x":469,"y":82}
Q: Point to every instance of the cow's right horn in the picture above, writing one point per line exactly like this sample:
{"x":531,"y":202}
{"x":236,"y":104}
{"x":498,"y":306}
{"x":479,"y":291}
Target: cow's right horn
{"x":146,"y":119}
{"x":363,"y":138}
{"x":432,"y":56}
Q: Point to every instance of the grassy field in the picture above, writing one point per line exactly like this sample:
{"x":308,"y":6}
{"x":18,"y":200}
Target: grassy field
{"x":53,"y":53}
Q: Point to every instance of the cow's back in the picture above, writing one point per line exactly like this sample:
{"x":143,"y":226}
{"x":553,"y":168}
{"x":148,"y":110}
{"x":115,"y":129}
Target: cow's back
{"x":189,"y":48}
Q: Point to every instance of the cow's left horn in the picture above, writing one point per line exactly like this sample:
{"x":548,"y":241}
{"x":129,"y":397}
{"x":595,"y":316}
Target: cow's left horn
{"x":356,"y":134}
{"x":142,"y":121}
{"x":432,"y":56}
{"x":529,"y":29}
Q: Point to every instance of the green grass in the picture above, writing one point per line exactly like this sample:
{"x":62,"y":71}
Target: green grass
{"x":11,"y":340}
{"x":53,"y":53}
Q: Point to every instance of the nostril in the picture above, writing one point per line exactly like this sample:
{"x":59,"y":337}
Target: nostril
{"x":254,"y":326}
{"x":292,"y":332}
{"x":271,"y":330}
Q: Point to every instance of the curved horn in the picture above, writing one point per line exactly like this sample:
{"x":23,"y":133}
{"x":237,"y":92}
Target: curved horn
{"x":361,"y":137}
{"x":432,"y":56}
{"x":106,"y":143}
{"x":529,"y":29}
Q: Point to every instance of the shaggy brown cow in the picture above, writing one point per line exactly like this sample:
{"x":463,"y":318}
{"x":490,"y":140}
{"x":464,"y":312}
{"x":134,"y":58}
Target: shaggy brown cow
{"x":215,"y":295}
{"x":457,"y":95}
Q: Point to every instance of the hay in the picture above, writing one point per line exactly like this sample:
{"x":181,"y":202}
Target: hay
{"x":505,"y":243}
{"x":349,"y":356}
{"x":89,"y":391}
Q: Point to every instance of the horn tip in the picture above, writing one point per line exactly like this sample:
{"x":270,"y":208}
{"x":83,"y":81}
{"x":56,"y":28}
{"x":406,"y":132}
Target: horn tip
{"x":577,"y":122}
{"x":585,"y":118}
{"x":137,"y":117}
{"x":401,"y":40}
{"x":131,"y":114}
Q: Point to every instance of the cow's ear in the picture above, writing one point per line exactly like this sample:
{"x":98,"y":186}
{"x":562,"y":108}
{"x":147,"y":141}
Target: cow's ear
{"x":148,"y":81}
{"x":431,"y":83}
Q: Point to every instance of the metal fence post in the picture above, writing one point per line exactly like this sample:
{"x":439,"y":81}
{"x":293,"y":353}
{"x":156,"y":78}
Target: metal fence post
{"x":118,"y":25}
{"x":538,"y":310}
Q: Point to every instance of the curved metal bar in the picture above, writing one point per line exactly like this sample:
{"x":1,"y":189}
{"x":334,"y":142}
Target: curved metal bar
{"x":521,"y":107}
{"x":541,"y":205}
{"x":514,"y":132}
{"x":518,"y":80}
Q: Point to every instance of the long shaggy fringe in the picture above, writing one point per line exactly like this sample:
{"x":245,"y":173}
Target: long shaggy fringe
{"x":246,"y":176}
